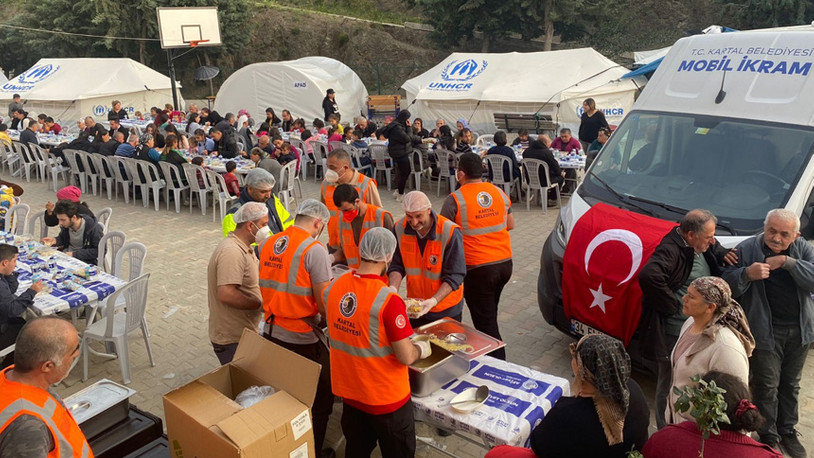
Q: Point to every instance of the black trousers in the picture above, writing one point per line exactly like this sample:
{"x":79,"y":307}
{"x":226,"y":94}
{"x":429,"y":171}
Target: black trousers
{"x":394,"y":432}
{"x":324,"y":400}
{"x":7,"y":338}
{"x":402,"y":172}
{"x":482,"y":289}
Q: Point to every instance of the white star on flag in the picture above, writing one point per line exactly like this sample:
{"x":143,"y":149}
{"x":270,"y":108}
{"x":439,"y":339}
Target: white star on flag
{"x":599,"y":298}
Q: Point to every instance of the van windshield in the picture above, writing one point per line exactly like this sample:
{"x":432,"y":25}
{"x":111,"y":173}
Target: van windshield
{"x":665,"y":164}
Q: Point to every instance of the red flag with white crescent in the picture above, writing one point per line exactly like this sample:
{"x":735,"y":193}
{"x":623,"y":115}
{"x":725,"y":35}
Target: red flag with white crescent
{"x":600,"y":281}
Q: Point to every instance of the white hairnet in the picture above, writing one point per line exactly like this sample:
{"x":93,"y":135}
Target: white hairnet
{"x":314,"y":209}
{"x":378,"y":245}
{"x":260,"y":179}
{"x":416,"y":201}
{"x":250,"y":211}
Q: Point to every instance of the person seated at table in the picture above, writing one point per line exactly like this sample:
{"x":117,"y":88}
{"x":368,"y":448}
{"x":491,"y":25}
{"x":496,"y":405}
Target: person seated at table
{"x":263,"y":129}
{"x":682,"y":440}
{"x":4,"y":137}
{"x":115,"y":126}
{"x":29,"y":135}
{"x":283,"y":153}
{"x":69,"y":193}
{"x":264,"y":161}
{"x":193,"y":123}
{"x":356,"y":139}
{"x":418,"y":128}
{"x":152,"y":129}
{"x":198,"y":160}
{"x":538,"y":150}
{"x":226,"y":145}
{"x":298,"y":126}
{"x":501,"y":149}
{"x":90,"y":125}
{"x":367,"y":127}
{"x":319,"y":127}
{"x":522,"y":139}
{"x":201,"y":144}
{"x":79,"y":234}
{"x":607,"y":416}
{"x":146,"y":150}
{"x":41,"y":121}
{"x":183,"y":142}
{"x":12,"y":305}
{"x":271,"y":117}
{"x":333,"y":136}
{"x":333,"y":121}
{"x":52,"y":127}
{"x":19,"y":119}
{"x":287,"y":122}
{"x":210,"y":117}
{"x":128,"y":148}
{"x":171,"y":154}
{"x":445,"y":141}
{"x":231,"y":179}
{"x":117,"y":110}
{"x":565,"y":142}
{"x":264,"y":143}
{"x":464,"y":142}
{"x":138,"y":116}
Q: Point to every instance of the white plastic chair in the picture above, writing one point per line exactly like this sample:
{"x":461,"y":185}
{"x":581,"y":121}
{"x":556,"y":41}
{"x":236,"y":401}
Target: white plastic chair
{"x":223,"y":198}
{"x":106,"y":175}
{"x":304,"y":159}
{"x":193,"y":173}
{"x":380,"y":158}
{"x":335,"y":145}
{"x":484,"y":140}
{"x":118,"y":324}
{"x":122,"y":179}
{"x":33,"y":220}
{"x":103,"y":217}
{"x":152,"y":182}
{"x":416,"y":167}
{"x":356,"y":158}
{"x":496,"y":162}
{"x":16,"y":219}
{"x":172,"y":178}
{"x":109,"y":246}
{"x":73,"y":162}
{"x":446,"y":172}
{"x":27,"y":162}
{"x":534,"y":168}
{"x":135,"y":253}
{"x":131,"y":168}
{"x":320,"y":156}
{"x":9,"y":158}
{"x":288,"y":177}
{"x":91,"y":176}
{"x":6,"y":351}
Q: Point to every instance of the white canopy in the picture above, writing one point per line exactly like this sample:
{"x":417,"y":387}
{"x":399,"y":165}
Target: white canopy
{"x":296,"y":85}
{"x":554,"y":83}
{"x":68,"y":89}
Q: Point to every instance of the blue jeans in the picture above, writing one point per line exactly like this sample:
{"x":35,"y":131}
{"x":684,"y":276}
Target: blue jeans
{"x":775,"y":381}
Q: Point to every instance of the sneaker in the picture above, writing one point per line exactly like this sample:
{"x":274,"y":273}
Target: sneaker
{"x":791,"y":446}
{"x":399,"y":197}
{"x":396,"y":193}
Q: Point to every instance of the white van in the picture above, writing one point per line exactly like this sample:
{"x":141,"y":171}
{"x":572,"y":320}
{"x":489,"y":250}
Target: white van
{"x":726,"y":124}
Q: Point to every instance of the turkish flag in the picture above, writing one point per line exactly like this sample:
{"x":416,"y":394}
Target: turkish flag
{"x":600,"y":281}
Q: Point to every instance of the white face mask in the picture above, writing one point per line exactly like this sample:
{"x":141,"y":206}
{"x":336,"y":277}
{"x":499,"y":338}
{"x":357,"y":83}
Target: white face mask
{"x":262,"y":234}
{"x":331,"y":176}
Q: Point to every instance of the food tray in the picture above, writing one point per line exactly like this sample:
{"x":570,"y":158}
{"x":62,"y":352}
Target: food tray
{"x":460,"y":339}
{"x":99,"y":406}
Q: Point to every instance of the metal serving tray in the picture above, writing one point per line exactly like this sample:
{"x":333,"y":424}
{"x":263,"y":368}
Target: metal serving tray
{"x":455,"y":333}
{"x":100,"y":406}
{"x":429,"y":375}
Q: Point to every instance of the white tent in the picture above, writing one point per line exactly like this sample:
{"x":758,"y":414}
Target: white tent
{"x":552,"y":83}
{"x":68,"y":89}
{"x":296,"y":85}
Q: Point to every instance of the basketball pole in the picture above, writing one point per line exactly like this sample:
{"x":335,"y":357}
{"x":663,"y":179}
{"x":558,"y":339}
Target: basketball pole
{"x":171,"y":65}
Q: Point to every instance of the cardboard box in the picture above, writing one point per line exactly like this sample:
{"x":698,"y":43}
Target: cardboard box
{"x":203,"y":420}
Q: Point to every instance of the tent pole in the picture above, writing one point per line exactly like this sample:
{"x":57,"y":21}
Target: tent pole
{"x":172,"y":80}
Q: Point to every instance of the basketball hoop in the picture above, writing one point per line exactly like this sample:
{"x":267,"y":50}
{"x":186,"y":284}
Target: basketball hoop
{"x":194,"y":43}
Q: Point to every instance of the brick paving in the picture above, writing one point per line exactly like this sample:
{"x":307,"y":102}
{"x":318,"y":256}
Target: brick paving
{"x":179,"y":246}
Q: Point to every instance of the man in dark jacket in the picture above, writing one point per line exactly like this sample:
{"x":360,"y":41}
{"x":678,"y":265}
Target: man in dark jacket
{"x":225,"y":143}
{"x":29,"y":135}
{"x":401,"y":141}
{"x":539,"y":150}
{"x":12,"y":305}
{"x":79,"y":234}
{"x":687,"y":252}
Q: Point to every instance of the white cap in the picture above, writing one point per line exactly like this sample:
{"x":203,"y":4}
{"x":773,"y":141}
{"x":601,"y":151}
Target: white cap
{"x":314,"y":209}
{"x":378,"y":245}
{"x":250,"y":211}
{"x":260,"y":179}
{"x":416,"y":201}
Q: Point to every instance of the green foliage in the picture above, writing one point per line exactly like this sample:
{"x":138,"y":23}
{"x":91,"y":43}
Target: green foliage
{"x":750,"y":14}
{"x":706,"y":404}
{"x":634,"y":454}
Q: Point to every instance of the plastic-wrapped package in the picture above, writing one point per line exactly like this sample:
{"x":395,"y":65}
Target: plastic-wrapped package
{"x":253,"y":395}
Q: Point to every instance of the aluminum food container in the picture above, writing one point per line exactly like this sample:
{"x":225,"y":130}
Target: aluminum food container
{"x":429,"y":375}
{"x":100,"y":406}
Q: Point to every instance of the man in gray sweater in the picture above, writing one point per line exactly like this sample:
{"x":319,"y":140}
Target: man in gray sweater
{"x":12,"y":306}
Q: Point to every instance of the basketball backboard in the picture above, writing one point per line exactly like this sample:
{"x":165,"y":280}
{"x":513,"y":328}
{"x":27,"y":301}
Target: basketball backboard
{"x":188,"y":27}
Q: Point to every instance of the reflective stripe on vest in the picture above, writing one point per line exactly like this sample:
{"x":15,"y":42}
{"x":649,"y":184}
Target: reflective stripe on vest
{"x":290,"y":286}
{"x":347,"y":241}
{"x":484,"y":223}
{"x":459,"y":198}
{"x":374,"y":350}
{"x":48,"y":414}
{"x":362,"y":185}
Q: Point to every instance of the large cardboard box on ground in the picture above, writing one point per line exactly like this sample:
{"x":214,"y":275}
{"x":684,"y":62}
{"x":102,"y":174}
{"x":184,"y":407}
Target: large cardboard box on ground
{"x":203,"y":420}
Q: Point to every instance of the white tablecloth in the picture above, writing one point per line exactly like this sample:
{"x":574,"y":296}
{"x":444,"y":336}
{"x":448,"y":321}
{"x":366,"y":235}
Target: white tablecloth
{"x":60,"y":299}
{"x":519,"y":398}
{"x":46,"y":139}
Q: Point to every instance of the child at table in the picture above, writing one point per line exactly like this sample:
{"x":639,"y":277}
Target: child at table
{"x":198,"y":160}
{"x":356,"y":140}
{"x":231,"y":179}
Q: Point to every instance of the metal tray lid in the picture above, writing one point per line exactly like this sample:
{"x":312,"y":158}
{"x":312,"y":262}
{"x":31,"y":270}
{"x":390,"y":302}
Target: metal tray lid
{"x":96,"y":398}
{"x":460,"y":339}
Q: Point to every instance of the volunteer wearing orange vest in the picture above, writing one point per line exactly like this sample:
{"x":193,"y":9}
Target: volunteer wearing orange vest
{"x":33,"y":419}
{"x":341,"y":171}
{"x":356,"y":218}
{"x":294,"y":270}
{"x":485,"y":215}
{"x":431,"y":255}
{"x":370,"y":351}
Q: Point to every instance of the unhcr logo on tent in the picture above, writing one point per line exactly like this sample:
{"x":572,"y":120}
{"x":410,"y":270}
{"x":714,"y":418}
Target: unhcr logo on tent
{"x":456,"y":73}
{"x":26,"y":81}
{"x":616,"y":111}
{"x":99,"y":110}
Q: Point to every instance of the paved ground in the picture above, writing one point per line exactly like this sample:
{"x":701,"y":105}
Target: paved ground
{"x":179,"y":246}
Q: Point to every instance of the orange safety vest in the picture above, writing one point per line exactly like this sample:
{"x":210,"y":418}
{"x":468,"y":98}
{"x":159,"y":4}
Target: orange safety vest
{"x":284,"y":283}
{"x":362,"y":186}
{"x":483,"y":211}
{"x":374,"y":217}
{"x":424,"y":270}
{"x":364,"y":367}
{"x":19,"y":399}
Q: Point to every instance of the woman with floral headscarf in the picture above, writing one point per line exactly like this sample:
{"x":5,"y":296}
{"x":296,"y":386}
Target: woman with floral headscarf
{"x":716,"y":336}
{"x":607,"y":417}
